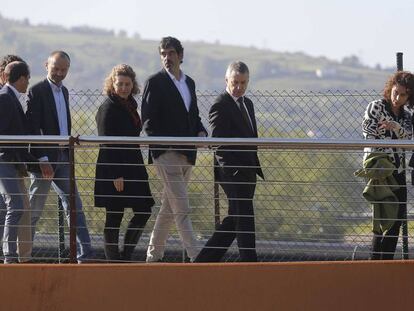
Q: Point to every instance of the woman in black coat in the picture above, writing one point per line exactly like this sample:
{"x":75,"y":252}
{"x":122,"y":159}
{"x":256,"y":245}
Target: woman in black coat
{"x":121,"y":177}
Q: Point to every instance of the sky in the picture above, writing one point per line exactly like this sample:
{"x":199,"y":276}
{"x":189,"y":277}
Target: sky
{"x":373,"y":30}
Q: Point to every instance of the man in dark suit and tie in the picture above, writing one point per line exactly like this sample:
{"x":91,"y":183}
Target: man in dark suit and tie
{"x":48,"y":113}
{"x":12,"y":163}
{"x":236,"y":167}
{"x":169,"y":108}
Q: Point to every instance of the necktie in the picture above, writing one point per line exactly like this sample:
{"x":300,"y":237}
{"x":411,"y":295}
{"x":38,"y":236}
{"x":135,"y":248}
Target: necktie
{"x":244,"y":113}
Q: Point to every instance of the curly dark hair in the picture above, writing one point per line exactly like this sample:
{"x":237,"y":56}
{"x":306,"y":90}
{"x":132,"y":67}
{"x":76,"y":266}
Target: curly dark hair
{"x":171,"y":42}
{"x":7,"y":59}
{"x":402,"y":78}
{"x":120,"y":70}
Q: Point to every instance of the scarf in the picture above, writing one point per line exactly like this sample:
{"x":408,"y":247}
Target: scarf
{"x":131,"y":106}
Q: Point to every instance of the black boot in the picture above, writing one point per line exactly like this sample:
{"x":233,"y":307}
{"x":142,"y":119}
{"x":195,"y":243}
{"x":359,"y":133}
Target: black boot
{"x":111,"y":238}
{"x":131,"y":238}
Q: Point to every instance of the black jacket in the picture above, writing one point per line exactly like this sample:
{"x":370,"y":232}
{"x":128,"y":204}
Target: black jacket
{"x":113,"y":119}
{"x":164,"y":113}
{"x":13,"y":122}
{"x":42,"y":116}
{"x":226,"y":121}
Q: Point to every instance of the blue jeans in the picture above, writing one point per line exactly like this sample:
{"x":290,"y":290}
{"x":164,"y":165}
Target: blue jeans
{"x":15,"y":215}
{"x":39,"y":189}
{"x":3,"y":211}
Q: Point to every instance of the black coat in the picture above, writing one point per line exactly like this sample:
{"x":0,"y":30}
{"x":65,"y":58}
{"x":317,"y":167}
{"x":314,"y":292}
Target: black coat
{"x":43,"y":118}
{"x":14,"y":122}
{"x":113,"y":119}
{"x":164,"y":113}
{"x":226,"y":121}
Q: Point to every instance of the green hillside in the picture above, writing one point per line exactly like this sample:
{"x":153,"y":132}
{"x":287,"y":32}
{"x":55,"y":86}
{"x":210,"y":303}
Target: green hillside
{"x":94,"y":51}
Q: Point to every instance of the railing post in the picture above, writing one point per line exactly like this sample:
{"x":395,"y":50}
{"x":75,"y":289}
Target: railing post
{"x":216,"y":199}
{"x":404,"y":226}
{"x":400,"y":61}
{"x":72,"y":201}
{"x":61,"y":231}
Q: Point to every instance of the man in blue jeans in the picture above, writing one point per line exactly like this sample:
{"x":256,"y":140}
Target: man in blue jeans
{"x":48,"y":113}
{"x":12,"y":163}
{"x":26,"y":253}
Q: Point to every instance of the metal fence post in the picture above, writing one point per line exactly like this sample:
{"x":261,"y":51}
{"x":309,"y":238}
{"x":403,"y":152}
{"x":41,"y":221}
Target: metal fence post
{"x":72,"y":200}
{"x":399,"y":61}
{"x":404,"y":226}
{"x":61,"y":231}
{"x":216,"y":194}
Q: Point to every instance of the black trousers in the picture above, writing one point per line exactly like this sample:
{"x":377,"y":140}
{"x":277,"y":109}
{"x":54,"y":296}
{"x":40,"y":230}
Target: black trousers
{"x":135,"y":228}
{"x":239,"y":224}
{"x":384,"y":245}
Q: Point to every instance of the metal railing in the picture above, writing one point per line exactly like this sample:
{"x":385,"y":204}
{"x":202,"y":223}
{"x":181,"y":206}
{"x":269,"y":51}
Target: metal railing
{"x":309,"y":207}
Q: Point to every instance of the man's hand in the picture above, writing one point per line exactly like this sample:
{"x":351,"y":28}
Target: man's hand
{"x":119,"y":184}
{"x":47,"y":170}
{"x":202,"y":134}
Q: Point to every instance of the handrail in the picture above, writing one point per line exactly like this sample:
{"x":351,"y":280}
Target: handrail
{"x":27,"y":139}
{"x":274,"y":143}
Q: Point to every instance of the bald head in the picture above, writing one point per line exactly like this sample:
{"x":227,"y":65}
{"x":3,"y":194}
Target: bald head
{"x":57,"y":66}
{"x":59,"y":54}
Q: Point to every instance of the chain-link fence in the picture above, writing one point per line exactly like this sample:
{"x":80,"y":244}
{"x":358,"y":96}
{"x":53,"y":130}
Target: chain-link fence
{"x":309,"y":207}
{"x":334,"y":114}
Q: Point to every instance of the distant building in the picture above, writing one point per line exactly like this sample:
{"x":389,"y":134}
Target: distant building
{"x":324,"y":73}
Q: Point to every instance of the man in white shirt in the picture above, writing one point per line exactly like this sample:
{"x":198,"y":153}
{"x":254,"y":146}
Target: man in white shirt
{"x":12,"y":164}
{"x":24,"y":249}
{"x":169,"y":108}
{"x":49,"y":114}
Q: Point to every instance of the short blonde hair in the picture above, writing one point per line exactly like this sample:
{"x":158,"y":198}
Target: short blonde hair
{"x":120,"y":70}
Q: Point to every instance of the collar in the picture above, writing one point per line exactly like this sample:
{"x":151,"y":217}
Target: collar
{"x":16,"y":92}
{"x":54,"y":86}
{"x":182,"y":76}
{"x":234,"y":98}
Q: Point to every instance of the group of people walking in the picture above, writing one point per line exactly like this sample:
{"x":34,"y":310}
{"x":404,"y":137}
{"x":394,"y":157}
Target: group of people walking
{"x":169,"y":108}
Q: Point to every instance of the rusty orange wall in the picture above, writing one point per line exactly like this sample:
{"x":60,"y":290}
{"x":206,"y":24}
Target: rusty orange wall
{"x":264,"y":286}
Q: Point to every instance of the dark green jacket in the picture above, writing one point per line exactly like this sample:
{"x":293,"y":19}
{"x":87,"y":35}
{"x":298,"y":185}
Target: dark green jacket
{"x":379,"y":191}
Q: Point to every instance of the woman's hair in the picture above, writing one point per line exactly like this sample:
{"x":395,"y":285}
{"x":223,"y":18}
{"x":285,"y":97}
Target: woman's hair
{"x":403,"y":78}
{"x":120,"y":70}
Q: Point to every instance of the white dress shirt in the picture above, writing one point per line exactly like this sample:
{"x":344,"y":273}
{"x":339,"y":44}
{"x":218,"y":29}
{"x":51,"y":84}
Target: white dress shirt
{"x":182,"y":87}
{"x":60,"y":108}
{"x":16,"y":92}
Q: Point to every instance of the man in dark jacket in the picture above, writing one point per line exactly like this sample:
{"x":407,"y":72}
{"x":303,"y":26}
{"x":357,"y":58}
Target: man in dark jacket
{"x":169,"y":108}
{"x":7,"y":59}
{"x":48,"y":113}
{"x":236,"y":167}
{"x":12,"y":159}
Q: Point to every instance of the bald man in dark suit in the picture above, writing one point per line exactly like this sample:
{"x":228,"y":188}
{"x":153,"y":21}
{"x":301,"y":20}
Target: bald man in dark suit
{"x":48,"y":113}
